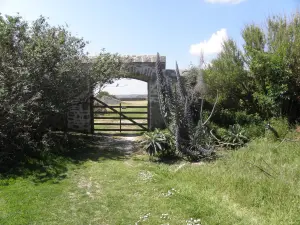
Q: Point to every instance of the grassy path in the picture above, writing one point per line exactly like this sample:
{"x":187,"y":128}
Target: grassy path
{"x":112,"y":183}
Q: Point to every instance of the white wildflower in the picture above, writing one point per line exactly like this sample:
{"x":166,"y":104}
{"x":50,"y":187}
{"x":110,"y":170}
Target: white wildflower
{"x":145,"y":175}
{"x":169,"y":193}
{"x":193,"y":221}
{"x":143,"y":218}
{"x":164,"y":216}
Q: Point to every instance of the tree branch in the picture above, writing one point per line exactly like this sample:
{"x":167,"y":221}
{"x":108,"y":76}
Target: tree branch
{"x":213,"y":109}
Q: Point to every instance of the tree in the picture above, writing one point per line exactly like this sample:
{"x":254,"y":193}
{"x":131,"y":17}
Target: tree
{"x":227,"y":74}
{"x":43,"y":71}
{"x":263,"y":77}
{"x":102,"y":93}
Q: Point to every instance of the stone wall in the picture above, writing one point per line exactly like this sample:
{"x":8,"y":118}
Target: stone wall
{"x":141,"y":68}
{"x":79,"y":118}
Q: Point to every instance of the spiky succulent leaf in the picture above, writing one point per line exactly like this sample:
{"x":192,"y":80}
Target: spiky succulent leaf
{"x":191,"y":137}
{"x":181,"y":87}
{"x":162,"y":89}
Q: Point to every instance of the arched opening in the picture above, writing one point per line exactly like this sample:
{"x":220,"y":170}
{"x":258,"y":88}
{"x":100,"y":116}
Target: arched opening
{"x":128,"y":110}
{"x":141,"y":68}
{"x":128,"y":88}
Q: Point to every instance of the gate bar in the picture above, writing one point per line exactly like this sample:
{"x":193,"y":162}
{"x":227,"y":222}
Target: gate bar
{"x":116,"y":111}
{"x":120,"y":118}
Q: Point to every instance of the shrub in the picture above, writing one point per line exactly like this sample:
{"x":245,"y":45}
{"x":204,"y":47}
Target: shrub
{"x":243,"y":118}
{"x":277,"y":128}
{"x":226,"y":117}
{"x":253,"y":131}
{"x":220,"y":132}
{"x":263,"y":76}
{"x":43,"y":71}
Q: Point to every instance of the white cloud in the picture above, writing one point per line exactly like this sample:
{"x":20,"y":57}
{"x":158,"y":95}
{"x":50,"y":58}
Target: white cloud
{"x":211,"y":46}
{"x":225,"y":1}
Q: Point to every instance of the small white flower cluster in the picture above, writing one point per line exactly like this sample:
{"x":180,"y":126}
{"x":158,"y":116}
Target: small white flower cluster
{"x":145,"y":175}
{"x":193,"y":221}
{"x":169,"y":193}
{"x":164,"y":216}
{"x":143,"y":218}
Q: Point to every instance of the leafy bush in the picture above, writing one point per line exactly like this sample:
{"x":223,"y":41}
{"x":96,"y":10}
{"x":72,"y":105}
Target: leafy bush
{"x":263,"y":77}
{"x":219,"y":131}
{"x":43,"y":71}
{"x":277,"y":128}
{"x":103,"y":93}
{"x":158,"y":143}
{"x":226,"y":117}
{"x":253,"y":131}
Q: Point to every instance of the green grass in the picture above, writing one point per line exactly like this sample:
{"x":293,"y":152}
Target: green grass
{"x":258,"y":184}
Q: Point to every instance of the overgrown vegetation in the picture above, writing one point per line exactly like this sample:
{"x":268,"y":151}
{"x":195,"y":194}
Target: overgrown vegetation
{"x":192,"y":137}
{"x":43,"y":71}
{"x":258,"y":88}
{"x":102,"y":94}
{"x":75,"y":179}
{"x":262,"y":79}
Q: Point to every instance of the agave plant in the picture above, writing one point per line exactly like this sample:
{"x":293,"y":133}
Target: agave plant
{"x":153,"y":142}
{"x":235,"y":135}
{"x":159,"y":143}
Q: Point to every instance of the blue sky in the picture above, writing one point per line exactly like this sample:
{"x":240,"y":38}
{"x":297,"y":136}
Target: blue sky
{"x":177,"y":29}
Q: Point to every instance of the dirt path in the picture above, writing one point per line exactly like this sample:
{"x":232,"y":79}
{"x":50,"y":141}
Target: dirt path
{"x":125,"y":145}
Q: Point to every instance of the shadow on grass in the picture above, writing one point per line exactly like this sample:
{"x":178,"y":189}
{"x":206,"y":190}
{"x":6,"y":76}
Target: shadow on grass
{"x":67,"y":152}
{"x":95,"y":148}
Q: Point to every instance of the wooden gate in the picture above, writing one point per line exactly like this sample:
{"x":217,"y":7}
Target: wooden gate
{"x":121,"y":117}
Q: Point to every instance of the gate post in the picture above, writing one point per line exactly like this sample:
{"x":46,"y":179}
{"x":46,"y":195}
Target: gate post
{"x":92,"y":113}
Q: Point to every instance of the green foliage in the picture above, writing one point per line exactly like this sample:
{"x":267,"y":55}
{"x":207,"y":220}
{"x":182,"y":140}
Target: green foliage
{"x":226,"y":117}
{"x":232,"y":137}
{"x":158,"y":143}
{"x":43,"y":71}
{"x":169,"y":146}
{"x":264,"y":77}
{"x":277,"y":128}
{"x":102,"y":94}
{"x":255,"y":84}
{"x":220,"y":131}
{"x":226,"y":74}
{"x":235,"y":136}
{"x":253,"y":130}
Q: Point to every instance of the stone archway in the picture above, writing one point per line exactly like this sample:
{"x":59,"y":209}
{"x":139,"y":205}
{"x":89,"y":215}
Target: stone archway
{"x":143,"y":68}
{"x":140,"y":68}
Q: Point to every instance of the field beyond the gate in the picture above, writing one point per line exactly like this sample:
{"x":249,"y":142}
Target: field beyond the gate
{"x":139,"y":118}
